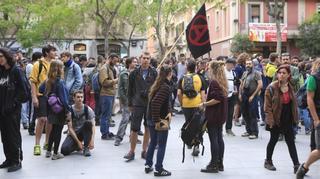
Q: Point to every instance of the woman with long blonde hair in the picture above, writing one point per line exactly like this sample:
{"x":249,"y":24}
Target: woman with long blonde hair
{"x":56,"y":92}
{"x":216,"y":114}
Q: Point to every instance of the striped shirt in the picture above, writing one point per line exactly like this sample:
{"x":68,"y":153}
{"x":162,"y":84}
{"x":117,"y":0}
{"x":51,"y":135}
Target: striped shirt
{"x":160,"y":104}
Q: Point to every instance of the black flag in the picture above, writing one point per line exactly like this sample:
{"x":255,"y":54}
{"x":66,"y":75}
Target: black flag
{"x":198,"y":34}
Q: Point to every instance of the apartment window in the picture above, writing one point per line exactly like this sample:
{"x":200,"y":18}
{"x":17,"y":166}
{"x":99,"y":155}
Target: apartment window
{"x":254,"y":13}
{"x":273,"y":20}
{"x":80,"y":47}
{"x":217,"y":21}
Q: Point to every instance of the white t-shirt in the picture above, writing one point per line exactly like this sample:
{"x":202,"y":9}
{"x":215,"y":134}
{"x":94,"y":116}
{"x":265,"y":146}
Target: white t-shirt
{"x":230,"y":78}
{"x":29,"y":69}
{"x":182,"y":69}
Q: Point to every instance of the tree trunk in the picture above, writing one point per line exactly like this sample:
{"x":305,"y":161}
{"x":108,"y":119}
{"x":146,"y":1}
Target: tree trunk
{"x":158,"y":31}
{"x":106,"y":44}
{"x":130,"y":38}
{"x":279,"y":39}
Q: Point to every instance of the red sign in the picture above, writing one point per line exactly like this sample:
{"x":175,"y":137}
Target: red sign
{"x":266,"y":32}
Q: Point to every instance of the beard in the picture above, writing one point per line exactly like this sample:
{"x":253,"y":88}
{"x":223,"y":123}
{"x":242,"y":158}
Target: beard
{"x":249,"y":69}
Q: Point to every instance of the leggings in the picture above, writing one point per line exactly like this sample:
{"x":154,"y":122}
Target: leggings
{"x":289,"y":137}
{"x":55,"y":137}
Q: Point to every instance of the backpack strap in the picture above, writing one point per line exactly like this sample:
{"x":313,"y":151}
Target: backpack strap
{"x":40,"y":69}
{"x":183,"y":152}
{"x":271,"y":91}
{"x":86,"y":112}
{"x":72,"y":113}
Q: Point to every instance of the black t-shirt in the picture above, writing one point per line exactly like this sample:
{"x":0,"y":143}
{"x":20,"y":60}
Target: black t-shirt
{"x":4,"y":86}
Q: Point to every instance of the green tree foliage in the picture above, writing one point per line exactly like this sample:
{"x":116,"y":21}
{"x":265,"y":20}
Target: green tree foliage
{"x":309,"y":36}
{"x":134,"y":15}
{"x":31,"y":22}
{"x":161,"y":14}
{"x":14,"y":16}
{"x":241,"y":43}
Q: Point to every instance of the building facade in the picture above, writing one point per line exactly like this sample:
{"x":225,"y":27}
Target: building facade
{"x":235,"y":17}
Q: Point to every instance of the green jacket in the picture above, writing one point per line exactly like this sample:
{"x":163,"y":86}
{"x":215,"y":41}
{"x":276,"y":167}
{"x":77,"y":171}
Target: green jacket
{"x":123,"y":87}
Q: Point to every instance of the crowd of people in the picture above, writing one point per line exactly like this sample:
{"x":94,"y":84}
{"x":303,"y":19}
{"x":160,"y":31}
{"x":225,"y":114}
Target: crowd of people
{"x":49,"y":91}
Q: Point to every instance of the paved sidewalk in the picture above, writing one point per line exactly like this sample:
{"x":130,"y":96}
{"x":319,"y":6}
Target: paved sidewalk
{"x":243,"y":159}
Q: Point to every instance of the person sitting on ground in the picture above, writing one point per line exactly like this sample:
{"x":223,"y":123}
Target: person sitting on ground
{"x":81,"y":128}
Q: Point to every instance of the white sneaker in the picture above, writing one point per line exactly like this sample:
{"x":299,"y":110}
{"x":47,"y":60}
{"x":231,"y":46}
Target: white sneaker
{"x":253,"y":137}
{"x":246,"y":134}
{"x":57,"y":156}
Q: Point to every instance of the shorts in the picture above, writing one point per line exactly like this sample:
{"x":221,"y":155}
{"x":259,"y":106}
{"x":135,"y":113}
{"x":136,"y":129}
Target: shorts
{"x":136,"y":118}
{"x":317,"y":137}
{"x":42,"y":110}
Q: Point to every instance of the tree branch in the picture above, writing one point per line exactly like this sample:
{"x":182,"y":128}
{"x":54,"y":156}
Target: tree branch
{"x":270,"y":11}
{"x":168,"y":14}
{"x":99,"y":14}
{"x":120,"y":41}
{"x":113,"y":14}
{"x":11,"y":43}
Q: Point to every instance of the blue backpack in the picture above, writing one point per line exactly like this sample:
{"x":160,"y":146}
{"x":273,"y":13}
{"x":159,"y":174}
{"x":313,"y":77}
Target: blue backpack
{"x":95,"y":83}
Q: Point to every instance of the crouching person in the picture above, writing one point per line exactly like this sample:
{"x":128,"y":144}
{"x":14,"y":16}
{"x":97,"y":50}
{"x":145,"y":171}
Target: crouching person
{"x":81,"y":128}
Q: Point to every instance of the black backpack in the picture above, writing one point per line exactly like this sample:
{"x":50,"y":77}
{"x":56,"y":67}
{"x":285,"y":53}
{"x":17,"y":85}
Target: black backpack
{"x":192,"y":131}
{"x":86,"y":113}
{"x":188,"y":86}
{"x":23,"y":94}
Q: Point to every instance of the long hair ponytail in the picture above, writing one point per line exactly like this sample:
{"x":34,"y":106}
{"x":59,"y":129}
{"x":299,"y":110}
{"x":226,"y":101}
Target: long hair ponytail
{"x":217,"y":73}
{"x":55,"y":72}
{"x":165,"y":70}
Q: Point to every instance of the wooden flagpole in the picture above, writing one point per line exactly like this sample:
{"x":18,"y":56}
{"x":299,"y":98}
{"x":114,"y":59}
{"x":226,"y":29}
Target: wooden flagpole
{"x":174,"y":44}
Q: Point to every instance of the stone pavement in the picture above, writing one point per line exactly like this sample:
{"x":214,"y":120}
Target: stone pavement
{"x":243,"y":159}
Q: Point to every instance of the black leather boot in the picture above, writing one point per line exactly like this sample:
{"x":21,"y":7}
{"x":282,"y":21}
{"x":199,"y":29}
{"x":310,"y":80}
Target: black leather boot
{"x":211,"y":168}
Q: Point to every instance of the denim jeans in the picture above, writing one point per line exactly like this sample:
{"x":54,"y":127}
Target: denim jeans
{"x":216,"y":143}
{"x":261,"y":103}
{"x":26,"y":114}
{"x":124,"y":123}
{"x":304,"y":115}
{"x":231,"y":103}
{"x":157,"y":138}
{"x":249,"y":114}
{"x":84,"y":134}
{"x":106,"y":103}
